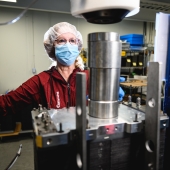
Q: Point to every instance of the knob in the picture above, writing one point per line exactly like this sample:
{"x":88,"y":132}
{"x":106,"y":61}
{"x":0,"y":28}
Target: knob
{"x":40,"y":108}
{"x":138,"y":102}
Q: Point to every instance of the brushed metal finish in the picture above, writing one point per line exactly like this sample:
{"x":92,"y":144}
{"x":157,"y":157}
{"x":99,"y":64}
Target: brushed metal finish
{"x":104,"y":54}
{"x":124,"y":123}
{"x":81,"y":121}
{"x":152,"y":117}
{"x":103,"y":109}
{"x":103,"y":36}
{"x":104,"y":84}
{"x":104,"y":50}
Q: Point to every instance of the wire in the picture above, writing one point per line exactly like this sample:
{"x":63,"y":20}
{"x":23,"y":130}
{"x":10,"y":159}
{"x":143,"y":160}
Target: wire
{"x":20,"y":15}
{"x":15,"y":158}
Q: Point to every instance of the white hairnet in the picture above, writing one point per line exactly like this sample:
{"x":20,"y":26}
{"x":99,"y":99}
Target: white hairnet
{"x":58,"y":29}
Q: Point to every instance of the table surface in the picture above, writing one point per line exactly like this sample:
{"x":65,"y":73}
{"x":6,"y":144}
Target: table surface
{"x":136,"y":83}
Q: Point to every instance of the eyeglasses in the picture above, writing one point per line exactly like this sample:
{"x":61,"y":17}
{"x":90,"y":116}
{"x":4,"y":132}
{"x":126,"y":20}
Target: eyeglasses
{"x":63,"y":41}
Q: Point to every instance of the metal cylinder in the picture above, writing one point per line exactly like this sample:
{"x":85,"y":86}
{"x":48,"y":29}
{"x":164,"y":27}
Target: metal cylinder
{"x":104,"y":50}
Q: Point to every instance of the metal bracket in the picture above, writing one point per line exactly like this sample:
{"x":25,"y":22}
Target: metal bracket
{"x":152,"y":118}
{"x":81,"y":157}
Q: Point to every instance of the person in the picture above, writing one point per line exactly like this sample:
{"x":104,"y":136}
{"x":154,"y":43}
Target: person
{"x":56,"y":87}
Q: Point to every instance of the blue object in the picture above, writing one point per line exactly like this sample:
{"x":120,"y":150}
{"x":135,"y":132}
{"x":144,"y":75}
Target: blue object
{"x":166,"y":103}
{"x":121,"y":92}
{"x":66,"y":54}
{"x":87,"y":97}
{"x":121,"y":79}
{"x":133,"y":39}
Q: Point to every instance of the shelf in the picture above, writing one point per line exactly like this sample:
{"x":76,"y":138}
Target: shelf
{"x":135,"y":48}
{"x":130,"y":67}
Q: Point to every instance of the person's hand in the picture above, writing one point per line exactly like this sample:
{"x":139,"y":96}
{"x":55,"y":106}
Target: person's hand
{"x":121,"y":92}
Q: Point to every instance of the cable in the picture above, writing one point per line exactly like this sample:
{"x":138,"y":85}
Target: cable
{"x":15,"y":158}
{"x":20,"y":15}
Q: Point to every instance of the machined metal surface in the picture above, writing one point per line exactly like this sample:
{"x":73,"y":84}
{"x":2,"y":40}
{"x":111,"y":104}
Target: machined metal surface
{"x":104,"y":54}
{"x":81,"y":157}
{"x":98,"y":128}
{"x":103,"y":109}
{"x":106,"y":36}
{"x":104,"y":86}
{"x":104,"y":50}
{"x":104,"y":62}
{"x":152,"y":117}
{"x":67,"y":117}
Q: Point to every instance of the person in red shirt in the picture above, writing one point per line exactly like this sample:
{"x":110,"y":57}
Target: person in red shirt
{"x":54,"y":88}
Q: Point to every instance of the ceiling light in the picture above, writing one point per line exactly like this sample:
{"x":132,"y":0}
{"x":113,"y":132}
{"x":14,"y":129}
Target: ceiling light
{"x":9,"y":0}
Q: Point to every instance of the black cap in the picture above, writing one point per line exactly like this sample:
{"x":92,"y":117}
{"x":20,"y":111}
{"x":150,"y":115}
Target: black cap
{"x":108,"y":16}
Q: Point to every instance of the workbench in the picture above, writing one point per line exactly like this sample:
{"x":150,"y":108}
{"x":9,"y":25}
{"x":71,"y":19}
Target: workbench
{"x":134,"y":85}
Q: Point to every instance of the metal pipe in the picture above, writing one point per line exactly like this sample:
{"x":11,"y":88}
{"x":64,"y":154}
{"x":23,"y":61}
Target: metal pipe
{"x":104,"y":50}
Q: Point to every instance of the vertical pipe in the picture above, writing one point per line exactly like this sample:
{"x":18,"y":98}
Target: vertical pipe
{"x":104,"y":50}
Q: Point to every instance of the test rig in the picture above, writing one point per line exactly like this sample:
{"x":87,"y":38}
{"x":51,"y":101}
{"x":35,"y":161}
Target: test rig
{"x":108,"y":134}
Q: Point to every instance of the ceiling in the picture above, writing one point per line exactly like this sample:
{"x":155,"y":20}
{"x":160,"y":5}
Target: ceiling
{"x":166,"y":1}
{"x":157,"y":5}
{"x":148,"y":8}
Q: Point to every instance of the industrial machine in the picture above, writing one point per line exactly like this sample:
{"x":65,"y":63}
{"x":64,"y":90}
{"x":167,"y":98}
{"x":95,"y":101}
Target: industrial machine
{"x":107,"y":134}
{"x":104,"y":12}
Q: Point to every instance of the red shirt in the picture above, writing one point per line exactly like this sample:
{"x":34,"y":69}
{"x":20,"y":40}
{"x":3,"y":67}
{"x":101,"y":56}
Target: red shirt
{"x":47,"y":88}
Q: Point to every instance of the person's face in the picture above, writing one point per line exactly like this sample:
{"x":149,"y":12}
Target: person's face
{"x":66,"y":38}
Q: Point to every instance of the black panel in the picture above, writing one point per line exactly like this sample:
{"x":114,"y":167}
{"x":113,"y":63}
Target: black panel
{"x":61,"y":157}
{"x":120,"y":154}
{"x":127,"y":153}
{"x":98,"y":156}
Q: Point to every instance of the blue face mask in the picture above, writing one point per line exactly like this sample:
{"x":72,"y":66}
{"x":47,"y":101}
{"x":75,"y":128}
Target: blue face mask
{"x":66,"y":54}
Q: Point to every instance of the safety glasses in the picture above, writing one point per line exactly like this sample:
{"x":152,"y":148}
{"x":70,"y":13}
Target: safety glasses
{"x":62,"y":41}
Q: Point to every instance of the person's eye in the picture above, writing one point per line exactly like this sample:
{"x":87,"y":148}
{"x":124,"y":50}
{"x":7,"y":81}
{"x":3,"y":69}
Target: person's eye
{"x":61,"y":40}
{"x":72,"y":41}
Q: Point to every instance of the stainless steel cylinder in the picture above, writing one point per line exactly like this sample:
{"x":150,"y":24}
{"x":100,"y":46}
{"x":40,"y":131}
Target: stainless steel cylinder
{"x":104,"y":61}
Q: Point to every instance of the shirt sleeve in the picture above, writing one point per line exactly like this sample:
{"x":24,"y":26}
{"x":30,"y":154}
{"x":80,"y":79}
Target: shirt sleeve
{"x":27,"y":93}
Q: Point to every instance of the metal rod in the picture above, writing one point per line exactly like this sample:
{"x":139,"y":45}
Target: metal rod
{"x":152,"y":118}
{"x":81,"y":120}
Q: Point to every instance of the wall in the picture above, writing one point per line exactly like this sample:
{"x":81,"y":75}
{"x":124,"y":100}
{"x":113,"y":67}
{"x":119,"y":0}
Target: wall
{"x":21,"y":44}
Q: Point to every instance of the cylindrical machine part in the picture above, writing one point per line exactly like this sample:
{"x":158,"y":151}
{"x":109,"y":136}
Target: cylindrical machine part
{"x":104,"y":86}
{"x":104,"y":50}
